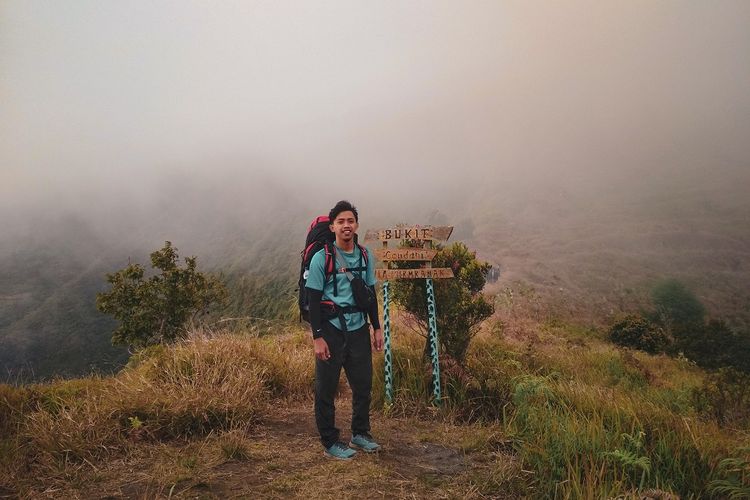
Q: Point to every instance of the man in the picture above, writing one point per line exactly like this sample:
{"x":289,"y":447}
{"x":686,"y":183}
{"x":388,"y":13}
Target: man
{"x":341,"y":336}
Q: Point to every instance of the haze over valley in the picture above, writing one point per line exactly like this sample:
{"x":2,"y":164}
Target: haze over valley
{"x":585,"y":150}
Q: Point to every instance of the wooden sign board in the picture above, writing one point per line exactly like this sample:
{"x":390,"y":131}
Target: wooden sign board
{"x":431,"y":233}
{"x":406,"y":274}
{"x":413,"y":254}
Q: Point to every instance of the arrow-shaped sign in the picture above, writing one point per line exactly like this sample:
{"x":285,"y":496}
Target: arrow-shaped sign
{"x":431,"y":233}
{"x":413,"y":254}
{"x":406,"y":274}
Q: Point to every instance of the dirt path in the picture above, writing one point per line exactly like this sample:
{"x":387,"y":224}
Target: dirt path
{"x":283,"y":458}
{"x":303,"y":469}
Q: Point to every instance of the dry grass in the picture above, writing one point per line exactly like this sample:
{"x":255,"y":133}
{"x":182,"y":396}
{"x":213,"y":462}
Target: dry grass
{"x":228,"y":415}
{"x":201,"y":386}
{"x":540,"y":410}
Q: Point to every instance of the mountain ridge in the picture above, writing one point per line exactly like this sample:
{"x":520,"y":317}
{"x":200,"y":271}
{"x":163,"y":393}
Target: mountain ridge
{"x":585,"y":257}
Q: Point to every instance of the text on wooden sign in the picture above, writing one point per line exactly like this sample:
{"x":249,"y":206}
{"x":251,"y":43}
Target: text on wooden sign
{"x":413,"y":254}
{"x":405,"y":274}
{"x":440,"y":233}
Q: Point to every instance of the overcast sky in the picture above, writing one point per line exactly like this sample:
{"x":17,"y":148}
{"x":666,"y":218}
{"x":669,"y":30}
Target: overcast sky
{"x":111,"y":95}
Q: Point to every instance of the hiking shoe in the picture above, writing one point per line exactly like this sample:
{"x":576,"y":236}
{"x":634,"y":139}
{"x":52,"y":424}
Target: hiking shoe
{"x":364,"y":443}
{"x":339,"y":451}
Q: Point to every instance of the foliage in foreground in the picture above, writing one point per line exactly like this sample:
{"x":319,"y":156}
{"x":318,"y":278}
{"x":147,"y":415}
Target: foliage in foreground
{"x":725,"y":396}
{"x":197,"y":387}
{"x":595,"y":422}
{"x":678,"y":325}
{"x":460,"y":304}
{"x":585,"y":419}
{"x":735,"y":482}
{"x":156,"y":310}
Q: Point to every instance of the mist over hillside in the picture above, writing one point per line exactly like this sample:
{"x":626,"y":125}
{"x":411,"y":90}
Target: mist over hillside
{"x":588,"y":253}
{"x":594,"y":256}
{"x":585,"y":149}
{"x":54,"y":264}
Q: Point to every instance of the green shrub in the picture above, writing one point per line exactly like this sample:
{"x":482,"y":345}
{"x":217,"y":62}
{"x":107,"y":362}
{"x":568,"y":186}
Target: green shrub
{"x":157,"y":309}
{"x":676,"y":305}
{"x":461,"y":306}
{"x":636,"y":332}
{"x":725,"y":396}
{"x":714,"y":345}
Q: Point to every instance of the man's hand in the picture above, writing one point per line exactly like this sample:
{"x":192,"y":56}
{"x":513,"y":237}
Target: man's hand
{"x":321,"y":349}
{"x":377,"y":340}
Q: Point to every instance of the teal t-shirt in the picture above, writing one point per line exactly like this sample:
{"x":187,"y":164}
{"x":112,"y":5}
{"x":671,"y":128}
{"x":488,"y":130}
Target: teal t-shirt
{"x":345,"y":297}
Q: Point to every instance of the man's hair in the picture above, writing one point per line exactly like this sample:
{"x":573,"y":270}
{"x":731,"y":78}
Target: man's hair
{"x":343,"y":206}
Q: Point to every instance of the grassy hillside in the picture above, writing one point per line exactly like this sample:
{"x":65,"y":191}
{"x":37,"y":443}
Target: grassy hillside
{"x":48,"y":321}
{"x":540,"y":411}
{"x":51,"y":273}
{"x":590,"y":254}
{"x":583,"y":253}
{"x":49,"y":325}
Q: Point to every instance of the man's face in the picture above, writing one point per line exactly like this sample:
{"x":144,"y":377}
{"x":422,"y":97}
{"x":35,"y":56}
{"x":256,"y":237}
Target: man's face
{"x":344,"y":226}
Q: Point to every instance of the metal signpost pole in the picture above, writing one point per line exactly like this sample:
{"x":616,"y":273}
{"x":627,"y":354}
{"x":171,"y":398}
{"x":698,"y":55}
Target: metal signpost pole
{"x":424,"y":234}
{"x":433,"y":341}
{"x":387,"y":359}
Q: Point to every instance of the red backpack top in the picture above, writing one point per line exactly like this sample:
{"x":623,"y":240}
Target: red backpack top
{"x":319,"y":235}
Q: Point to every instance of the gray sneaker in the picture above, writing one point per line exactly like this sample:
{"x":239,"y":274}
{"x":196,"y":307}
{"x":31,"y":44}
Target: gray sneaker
{"x":364,"y":443}
{"x":339,"y":451}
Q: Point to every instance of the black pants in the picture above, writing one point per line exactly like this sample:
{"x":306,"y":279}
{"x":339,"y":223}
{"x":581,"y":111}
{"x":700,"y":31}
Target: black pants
{"x":353,"y":352}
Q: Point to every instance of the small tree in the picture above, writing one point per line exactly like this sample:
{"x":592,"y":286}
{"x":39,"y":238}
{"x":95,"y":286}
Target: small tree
{"x":725,"y":395}
{"x":676,"y":306}
{"x":460,"y":305}
{"x":714,"y":345}
{"x":155,"y":310}
{"x":637,"y":332}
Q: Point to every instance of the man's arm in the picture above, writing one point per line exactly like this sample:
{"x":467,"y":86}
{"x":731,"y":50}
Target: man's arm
{"x":377,"y":334}
{"x":313,"y":299}
{"x":314,"y":288}
{"x":373,"y":312}
{"x":319,"y":344}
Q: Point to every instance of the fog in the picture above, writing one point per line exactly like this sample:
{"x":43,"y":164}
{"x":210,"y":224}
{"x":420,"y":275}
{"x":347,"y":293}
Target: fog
{"x":586,"y":149}
{"x":113,"y":96}
{"x":403,"y":107}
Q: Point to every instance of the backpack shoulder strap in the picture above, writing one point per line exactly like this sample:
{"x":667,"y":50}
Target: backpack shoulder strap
{"x":363,"y":253}
{"x":330,"y":259}
{"x":330,"y":265}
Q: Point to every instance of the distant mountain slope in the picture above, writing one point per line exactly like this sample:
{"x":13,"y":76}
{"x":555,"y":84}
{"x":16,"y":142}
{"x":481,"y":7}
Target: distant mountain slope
{"x":588,"y":251}
{"x":597,"y":256}
{"x":53,"y":268}
{"x":49,"y":325}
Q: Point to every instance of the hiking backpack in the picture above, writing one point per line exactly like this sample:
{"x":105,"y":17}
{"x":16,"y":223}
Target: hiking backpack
{"x":319,"y":235}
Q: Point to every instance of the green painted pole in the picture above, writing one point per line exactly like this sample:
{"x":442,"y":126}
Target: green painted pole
{"x":432,"y":315}
{"x":388,"y":357}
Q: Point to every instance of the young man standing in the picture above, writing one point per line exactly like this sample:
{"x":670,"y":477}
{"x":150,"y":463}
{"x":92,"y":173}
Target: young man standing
{"x":342,"y":337}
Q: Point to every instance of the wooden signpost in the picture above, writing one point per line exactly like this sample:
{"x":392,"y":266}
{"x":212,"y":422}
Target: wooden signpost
{"x":420,"y":235}
{"x":424,"y":233}
{"x":406,"y":274}
{"x":413,"y":254}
